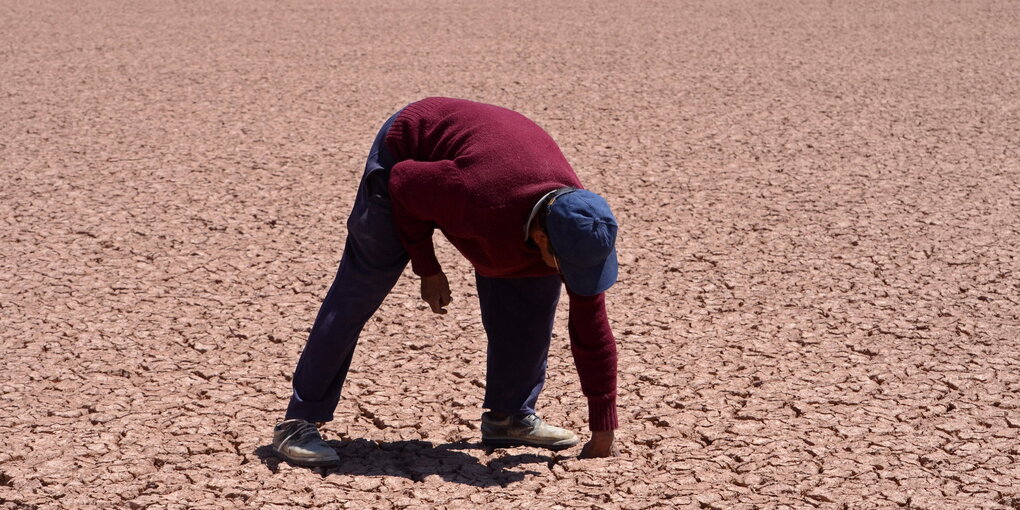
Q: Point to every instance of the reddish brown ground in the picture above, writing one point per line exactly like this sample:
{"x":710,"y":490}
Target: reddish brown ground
{"x":818,"y":303}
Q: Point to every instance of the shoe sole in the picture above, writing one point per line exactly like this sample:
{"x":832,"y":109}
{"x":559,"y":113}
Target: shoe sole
{"x":308,"y":462}
{"x":510,"y":443}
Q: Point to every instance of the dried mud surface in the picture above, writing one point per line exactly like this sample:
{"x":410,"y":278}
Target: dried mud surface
{"x":818,"y":302}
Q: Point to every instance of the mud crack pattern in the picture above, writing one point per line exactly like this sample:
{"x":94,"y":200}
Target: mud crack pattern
{"x":818,"y":301}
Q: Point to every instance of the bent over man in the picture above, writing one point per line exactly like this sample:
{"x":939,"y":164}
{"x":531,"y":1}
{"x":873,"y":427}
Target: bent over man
{"x":498,"y":187}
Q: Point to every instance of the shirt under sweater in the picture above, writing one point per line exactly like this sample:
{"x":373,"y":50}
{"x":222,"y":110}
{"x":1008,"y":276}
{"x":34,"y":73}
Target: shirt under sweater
{"x":474,"y":171}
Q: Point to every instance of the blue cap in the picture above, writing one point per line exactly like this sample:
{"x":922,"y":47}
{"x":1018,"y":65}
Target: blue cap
{"x":582,"y":231}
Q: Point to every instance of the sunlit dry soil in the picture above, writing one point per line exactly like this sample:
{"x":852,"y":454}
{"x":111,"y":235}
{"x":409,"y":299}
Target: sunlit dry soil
{"x":819,"y":294}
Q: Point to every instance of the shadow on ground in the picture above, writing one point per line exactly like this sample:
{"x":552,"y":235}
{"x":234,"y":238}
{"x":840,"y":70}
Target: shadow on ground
{"x":417,"y":460}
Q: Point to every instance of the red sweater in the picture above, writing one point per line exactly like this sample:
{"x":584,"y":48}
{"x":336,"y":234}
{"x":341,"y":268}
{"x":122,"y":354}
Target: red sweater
{"x":474,"y":171}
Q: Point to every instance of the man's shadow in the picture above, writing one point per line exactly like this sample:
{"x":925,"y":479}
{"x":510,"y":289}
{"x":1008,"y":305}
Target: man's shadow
{"x":416,"y":460}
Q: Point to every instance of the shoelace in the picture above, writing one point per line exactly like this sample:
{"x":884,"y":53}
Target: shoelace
{"x":301,"y":432}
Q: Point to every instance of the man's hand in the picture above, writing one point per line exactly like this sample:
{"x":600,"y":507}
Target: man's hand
{"x":435,"y":290}
{"x":600,"y":445}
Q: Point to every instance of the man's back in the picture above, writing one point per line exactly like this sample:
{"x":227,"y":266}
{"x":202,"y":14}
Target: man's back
{"x":474,"y":171}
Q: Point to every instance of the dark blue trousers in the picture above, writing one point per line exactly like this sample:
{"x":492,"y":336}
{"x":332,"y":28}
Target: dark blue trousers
{"x":517,"y":313}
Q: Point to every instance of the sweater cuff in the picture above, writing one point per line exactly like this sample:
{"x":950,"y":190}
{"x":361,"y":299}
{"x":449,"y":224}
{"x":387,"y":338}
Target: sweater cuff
{"x":424,"y":262}
{"x":602,"y":414}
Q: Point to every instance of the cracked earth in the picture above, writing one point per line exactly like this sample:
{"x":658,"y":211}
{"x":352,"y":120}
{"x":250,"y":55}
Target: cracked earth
{"x":819,"y":291}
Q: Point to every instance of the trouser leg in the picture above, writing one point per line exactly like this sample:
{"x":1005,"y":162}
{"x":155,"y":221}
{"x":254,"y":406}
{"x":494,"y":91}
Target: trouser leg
{"x":518,"y":315}
{"x":371,"y":264}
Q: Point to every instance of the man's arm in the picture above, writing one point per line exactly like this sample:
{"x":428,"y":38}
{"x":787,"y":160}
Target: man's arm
{"x":413,"y":193}
{"x":418,"y":193}
{"x":594,"y":349}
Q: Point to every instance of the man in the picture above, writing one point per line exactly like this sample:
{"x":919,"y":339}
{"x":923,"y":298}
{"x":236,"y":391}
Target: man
{"x":501,"y":191}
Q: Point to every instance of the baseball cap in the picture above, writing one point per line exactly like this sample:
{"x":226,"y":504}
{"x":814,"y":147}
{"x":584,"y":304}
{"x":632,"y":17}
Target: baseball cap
{"x":582,"y":231}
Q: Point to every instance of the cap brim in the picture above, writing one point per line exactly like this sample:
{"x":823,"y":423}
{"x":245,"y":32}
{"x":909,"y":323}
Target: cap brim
{"x":594,"y":280}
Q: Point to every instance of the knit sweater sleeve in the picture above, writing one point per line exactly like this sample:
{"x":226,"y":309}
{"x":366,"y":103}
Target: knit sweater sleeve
{"x":594,"y":349}
{"x":420,"y":193}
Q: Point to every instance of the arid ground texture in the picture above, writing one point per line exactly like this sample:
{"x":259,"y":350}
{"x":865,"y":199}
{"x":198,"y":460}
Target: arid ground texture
{"x":819,"y":295}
